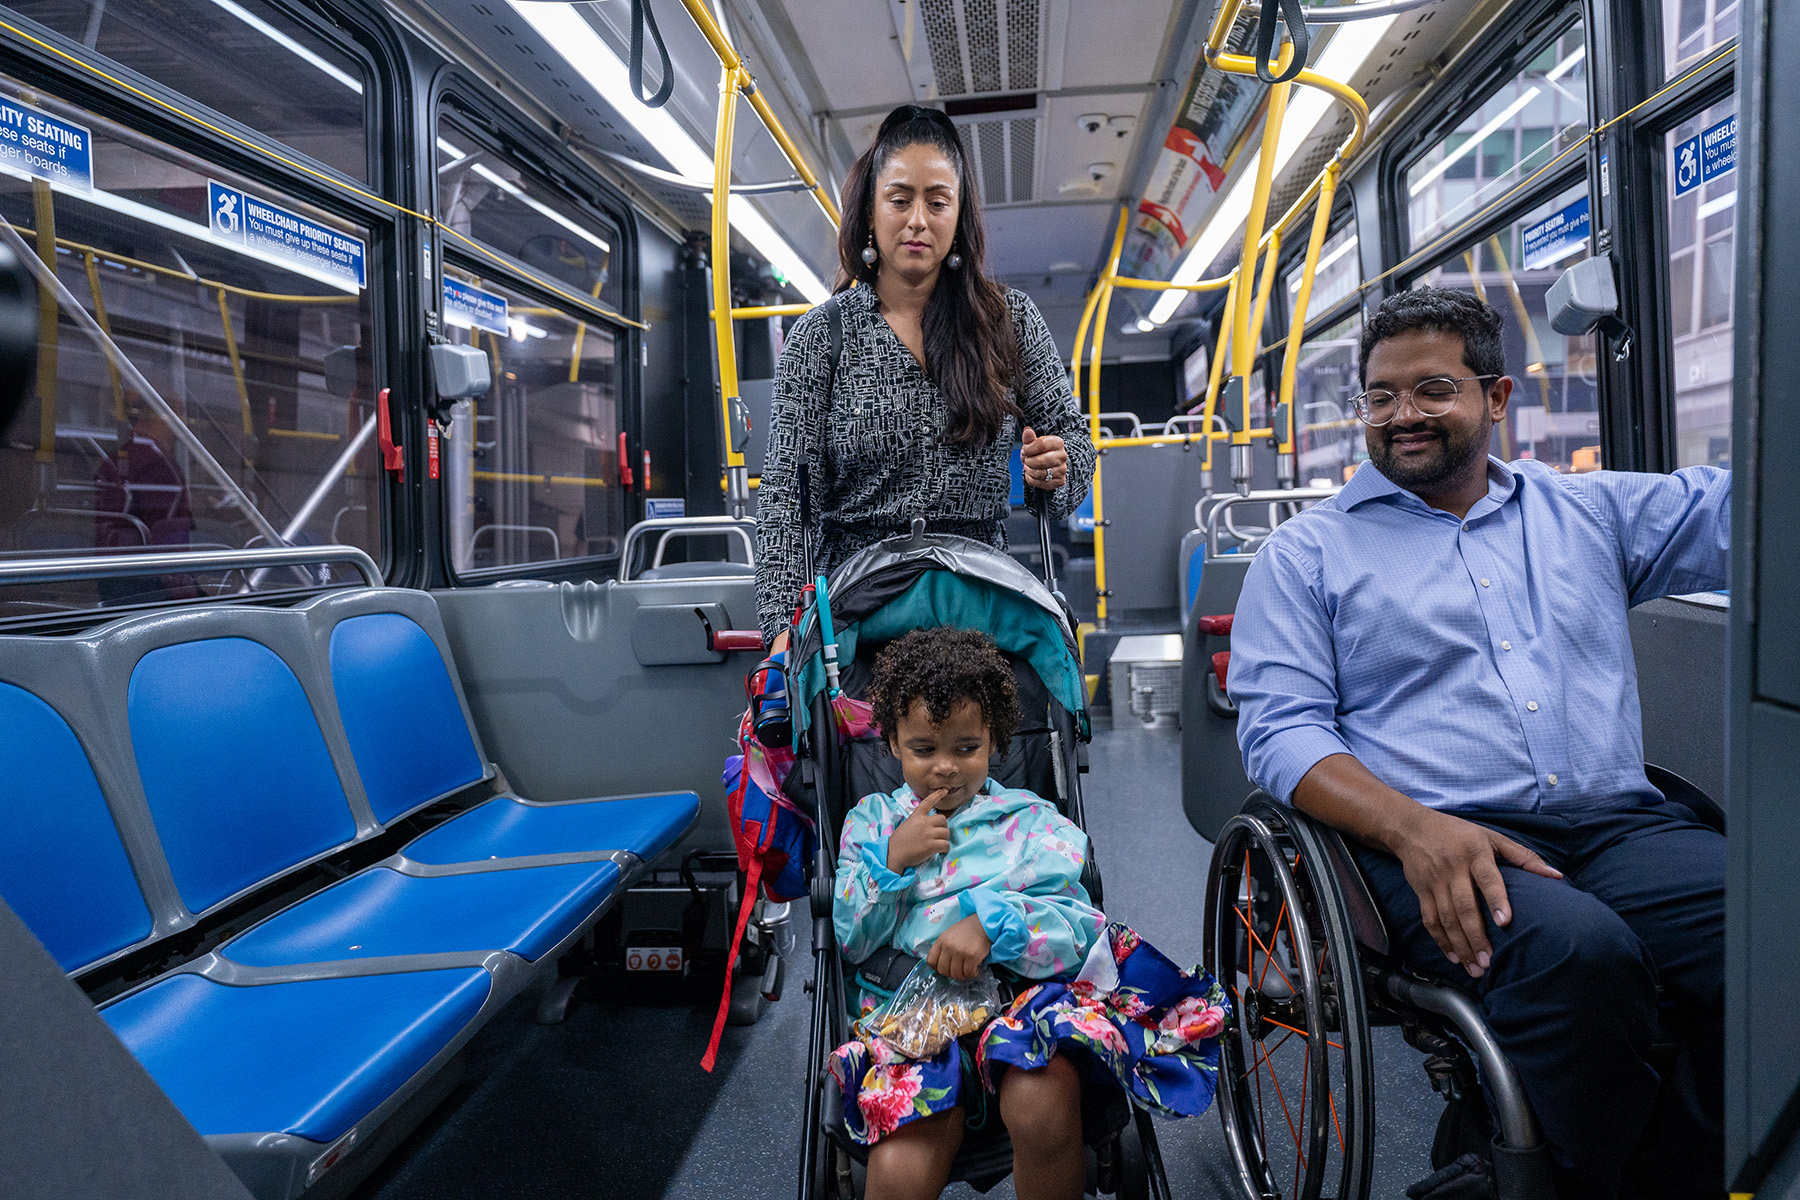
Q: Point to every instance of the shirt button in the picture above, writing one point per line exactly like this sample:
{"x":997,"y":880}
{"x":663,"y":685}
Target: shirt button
{"x":1506,"y":645}
{"x":1531,"y":705}
{"x":1484,"y":583}
{"x":1552,"y":780}
{"x":1465,"y":529}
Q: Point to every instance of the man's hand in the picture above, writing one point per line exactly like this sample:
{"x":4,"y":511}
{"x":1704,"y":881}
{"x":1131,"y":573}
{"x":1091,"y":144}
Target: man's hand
{"x":1448,"y":862}
{"x":1045,"y":460}
{"x":960,"y":950}
{"x":924,"y":834}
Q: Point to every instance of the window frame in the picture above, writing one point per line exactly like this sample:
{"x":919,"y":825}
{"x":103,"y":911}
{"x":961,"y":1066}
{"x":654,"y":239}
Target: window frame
{"x":584,"y":191}
{"x":362,"y":31}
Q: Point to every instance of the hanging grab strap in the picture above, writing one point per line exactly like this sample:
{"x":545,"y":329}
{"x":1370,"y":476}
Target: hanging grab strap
{"x":1273,"y":12}
{"x":640,"y":17}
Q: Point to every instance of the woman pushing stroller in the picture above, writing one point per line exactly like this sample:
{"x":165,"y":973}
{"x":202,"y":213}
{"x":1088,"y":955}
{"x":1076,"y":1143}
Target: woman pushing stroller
{"x":971,"y":877}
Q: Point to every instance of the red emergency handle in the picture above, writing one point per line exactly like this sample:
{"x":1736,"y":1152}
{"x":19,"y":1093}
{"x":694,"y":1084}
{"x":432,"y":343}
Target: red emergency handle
{"x":729,"y":641}
{"x":1219,"y":626}
{"x":391,"y":459}
{"x":624,"y":464}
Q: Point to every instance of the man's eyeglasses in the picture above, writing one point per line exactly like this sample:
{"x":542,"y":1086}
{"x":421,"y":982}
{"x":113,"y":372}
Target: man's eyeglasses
{"x":1430,"y":398}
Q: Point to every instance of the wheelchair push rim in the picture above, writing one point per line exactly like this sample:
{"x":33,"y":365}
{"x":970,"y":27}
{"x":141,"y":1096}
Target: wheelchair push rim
{"x":1278,"y":938}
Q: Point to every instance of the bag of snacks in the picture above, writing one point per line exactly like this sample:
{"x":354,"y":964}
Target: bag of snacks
{"x":928,"y":1010}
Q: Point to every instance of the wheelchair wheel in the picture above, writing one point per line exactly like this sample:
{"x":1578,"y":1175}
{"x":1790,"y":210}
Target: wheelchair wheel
{"x":1295,"y":1089}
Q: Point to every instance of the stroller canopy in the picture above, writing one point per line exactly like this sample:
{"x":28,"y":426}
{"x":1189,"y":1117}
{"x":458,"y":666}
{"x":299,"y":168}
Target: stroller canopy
{"x":927,"y":580}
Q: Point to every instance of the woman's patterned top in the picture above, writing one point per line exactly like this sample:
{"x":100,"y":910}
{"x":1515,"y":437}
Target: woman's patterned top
{"x":873,"y":439}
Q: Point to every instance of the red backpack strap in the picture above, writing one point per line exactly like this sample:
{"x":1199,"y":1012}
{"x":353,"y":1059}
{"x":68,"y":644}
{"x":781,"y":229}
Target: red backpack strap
{"x":752,"y":882}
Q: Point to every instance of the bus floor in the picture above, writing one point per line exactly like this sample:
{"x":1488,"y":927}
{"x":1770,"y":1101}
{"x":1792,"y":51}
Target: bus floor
{"x":613,"y":1102}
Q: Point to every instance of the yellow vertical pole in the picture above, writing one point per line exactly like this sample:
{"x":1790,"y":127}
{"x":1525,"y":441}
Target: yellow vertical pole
{"x":118,"y":386}
{"x":237,"y":368}
{"x":580,"y":339}
{"x":1103,"y":292}
{"x":737,"y":482}
{"x":1081,"y":332}
{"x":1218,"y":365}
{"x":1270,"y":257}
{"x":1290,"y":360}
{"x":1243,"y":348}
{"x":45,"y":211}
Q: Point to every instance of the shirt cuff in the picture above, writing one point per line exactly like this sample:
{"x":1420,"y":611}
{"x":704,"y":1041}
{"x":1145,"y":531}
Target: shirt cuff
{"x":1002,"y":923}
{"x":1288,"y":754}
{"x":874,"y":855}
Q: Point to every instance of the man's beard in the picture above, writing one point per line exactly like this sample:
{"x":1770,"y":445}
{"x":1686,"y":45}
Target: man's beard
{"x":1426,"y":472}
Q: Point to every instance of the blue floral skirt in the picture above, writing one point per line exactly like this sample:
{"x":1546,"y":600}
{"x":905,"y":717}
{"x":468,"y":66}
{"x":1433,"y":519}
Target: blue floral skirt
{"x":1132,"y":1019}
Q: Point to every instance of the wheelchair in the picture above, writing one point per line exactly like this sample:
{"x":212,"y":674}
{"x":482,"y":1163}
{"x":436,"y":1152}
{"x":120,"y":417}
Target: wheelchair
{"x":1294,"y":933}
{"x":875,"y":596}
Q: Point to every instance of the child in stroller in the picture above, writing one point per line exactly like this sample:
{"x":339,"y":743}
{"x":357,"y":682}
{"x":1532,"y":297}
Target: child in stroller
{"x":965,"y":874}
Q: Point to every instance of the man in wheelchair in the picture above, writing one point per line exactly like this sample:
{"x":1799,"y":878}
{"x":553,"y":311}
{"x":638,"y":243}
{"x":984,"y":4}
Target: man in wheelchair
{"x":1436,"y":662}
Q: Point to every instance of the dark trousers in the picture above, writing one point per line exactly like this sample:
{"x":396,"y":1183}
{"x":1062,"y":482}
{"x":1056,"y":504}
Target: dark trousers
{"x":1572,"y":991}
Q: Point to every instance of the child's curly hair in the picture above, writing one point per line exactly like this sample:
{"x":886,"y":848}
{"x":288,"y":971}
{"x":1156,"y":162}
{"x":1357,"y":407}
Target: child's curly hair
{"x":943,"y":667}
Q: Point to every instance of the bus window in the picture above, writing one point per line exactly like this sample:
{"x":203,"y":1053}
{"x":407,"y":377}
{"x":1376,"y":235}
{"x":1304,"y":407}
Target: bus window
{"x":1328,"y":438}
{"x":1523,"y":126}
{"x":263,"y":352}
{"x":1338,"y":274}
{"x":484,"y":196}
{"x":243,"y":58}
{"x":1554,"y":414}
{"x":1692,"y":28}
{"x":532,"y":468}
{"x":1702,"y":197}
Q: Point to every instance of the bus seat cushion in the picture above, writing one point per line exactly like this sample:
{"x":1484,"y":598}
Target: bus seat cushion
{"x":405,"y":726}
{"x":382,"y":912}
{"x":1218,"y":626}
{"x":1221,"y":663}
{"x":309,"y":1058}
{"x":62,"y":866}
{"x":234,"y":767}
{"x":506,"y":827}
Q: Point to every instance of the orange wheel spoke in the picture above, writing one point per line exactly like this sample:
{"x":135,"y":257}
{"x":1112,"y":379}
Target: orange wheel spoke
{"x":1332,"y":1097}
{"x":1264,"y":1054}
{"x":1269,"y":952}
{"x":1298,"y":1148}
{"x":1268,"y":955}
{"x":1301,"y":1032}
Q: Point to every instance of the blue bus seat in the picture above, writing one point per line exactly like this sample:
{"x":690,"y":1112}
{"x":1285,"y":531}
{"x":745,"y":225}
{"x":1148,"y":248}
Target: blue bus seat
{"x":507,"y":827}
{"x":382,"y":913}
{"x":1191,"y":563}
{"x":410,"y":732}
{"x":401,"y":714}
{"x":309,"y":1059}
{"x":63,"y":868}
{"x":234,"y":766}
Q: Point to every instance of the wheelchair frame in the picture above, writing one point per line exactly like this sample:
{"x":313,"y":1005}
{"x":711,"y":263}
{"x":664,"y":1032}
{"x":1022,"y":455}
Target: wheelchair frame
{"x":1347,"y":982}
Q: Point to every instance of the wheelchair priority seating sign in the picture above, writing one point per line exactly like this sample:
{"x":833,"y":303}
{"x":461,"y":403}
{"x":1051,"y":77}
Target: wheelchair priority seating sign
{"x":1706,"y":156}
{"x":272,"y":232}
{"x":41,"y":146}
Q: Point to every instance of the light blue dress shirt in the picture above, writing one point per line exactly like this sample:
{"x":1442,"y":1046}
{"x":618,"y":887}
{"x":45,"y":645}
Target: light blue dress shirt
{"x":1475,"y":664}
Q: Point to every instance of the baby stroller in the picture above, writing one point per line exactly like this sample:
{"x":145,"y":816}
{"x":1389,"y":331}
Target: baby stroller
{"x":879,"y":594}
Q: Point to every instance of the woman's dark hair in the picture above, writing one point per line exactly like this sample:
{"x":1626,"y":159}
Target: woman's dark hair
{"x":943,"y":667}
{"x":971,"y":350}
{"x":1442,"y":310}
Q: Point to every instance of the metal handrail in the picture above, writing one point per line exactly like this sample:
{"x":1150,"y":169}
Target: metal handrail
{"x":691,"y":526}
{"x":1272,"y":496}
{"x":115,"y":566}
{"x":1361,"y":12}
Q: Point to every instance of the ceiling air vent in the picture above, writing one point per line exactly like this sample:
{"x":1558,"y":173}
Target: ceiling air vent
{"x":979,"y":46}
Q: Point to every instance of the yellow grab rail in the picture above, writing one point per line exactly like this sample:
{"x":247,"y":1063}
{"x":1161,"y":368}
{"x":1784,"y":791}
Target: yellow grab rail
{"x":735,"y":80}
{"x":1103,"y":297}
{"x":1290,"y":362}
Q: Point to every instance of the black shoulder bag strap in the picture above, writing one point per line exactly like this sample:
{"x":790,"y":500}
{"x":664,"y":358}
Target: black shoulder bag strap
{"x":1274,"y":12}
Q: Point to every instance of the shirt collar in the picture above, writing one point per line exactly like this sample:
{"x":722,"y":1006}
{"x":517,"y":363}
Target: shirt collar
{"x":1370,"y":484}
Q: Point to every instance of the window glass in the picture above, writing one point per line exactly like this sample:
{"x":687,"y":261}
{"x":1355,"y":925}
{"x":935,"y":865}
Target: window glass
{"x":532,"y":468}
{"x":1555,"y":412}
{"x":482,"y":195}
{"x":1338,"y":274}
{"x":243,"y":58}
{"x":1701,"y":192}
{"x":1692,"y":28}
{"x":1523,"y":126}
{"x":1328,"y":438}
{"x":264,"y":356}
